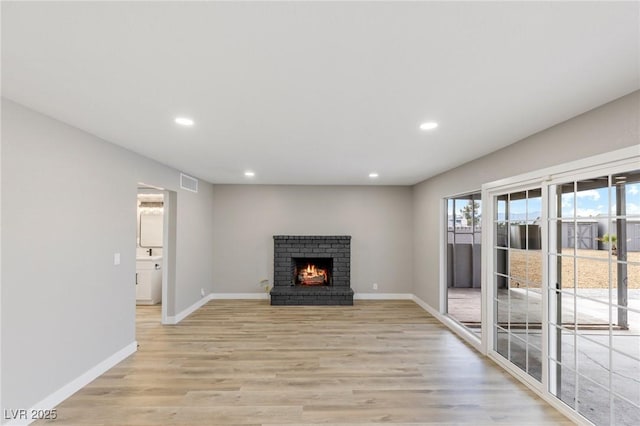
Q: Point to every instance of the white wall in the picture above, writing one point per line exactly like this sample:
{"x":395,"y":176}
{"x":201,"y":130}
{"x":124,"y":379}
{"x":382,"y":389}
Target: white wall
{"x":246,"y":217}
{"x":69,"y":204}
{"x":607,"y":128}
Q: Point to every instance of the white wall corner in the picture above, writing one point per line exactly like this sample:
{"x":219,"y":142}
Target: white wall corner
{"x":51,"y":401}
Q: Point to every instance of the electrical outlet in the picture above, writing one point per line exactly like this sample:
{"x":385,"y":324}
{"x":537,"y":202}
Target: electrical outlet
{"x":375,"y":286}
{"x":116,"y":258}
{"x":202,"y":292}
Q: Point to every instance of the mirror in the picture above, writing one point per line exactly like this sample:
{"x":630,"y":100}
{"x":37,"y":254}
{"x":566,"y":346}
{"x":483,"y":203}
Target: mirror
{"x":151,"y":226}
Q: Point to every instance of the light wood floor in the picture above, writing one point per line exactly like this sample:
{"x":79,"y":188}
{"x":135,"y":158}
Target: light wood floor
{"x":247,"y":363}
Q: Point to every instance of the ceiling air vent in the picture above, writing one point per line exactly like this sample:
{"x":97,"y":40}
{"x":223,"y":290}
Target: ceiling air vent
{"x":189,"y":183}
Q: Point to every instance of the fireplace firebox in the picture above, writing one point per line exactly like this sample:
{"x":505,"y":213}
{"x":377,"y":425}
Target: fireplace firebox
{"x":311,"y":270}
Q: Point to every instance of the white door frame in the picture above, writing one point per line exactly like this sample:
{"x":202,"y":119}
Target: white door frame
{"x":169,"y":231}
{"x":465,"y":333}
{"x":489,"y":295}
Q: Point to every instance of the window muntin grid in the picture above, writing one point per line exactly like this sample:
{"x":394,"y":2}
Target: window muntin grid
{"x":517,"y":280}
{"x":594,"y":329}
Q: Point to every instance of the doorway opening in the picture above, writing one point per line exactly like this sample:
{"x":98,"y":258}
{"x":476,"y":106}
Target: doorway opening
{"x":463,"y":253}
{"x":155,"y":252}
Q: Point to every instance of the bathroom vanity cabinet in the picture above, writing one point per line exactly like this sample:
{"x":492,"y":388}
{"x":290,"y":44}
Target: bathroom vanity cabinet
{"x":149,"y":280}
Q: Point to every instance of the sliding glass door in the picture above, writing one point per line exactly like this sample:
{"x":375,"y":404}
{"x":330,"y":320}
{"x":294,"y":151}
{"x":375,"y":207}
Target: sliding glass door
{"x":517,"y":280}
{"x":594,"y":296}
{"x":564,"y":302}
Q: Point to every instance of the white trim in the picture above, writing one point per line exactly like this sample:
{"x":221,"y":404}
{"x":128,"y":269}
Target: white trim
{"x":356,"y":296}
{"x":463,"y":332}
{"x":488,"y":269}
{"x":239,"y":296}
{"x":78,"y":383}
{"x":382,"y":296}
{"x":486,"y":277}
{"x":2,"y":407}
{"x":544,"y":293}
{"x":169,"y":251}
{"x":443,"y":233}
{"x":172,"y":320}
{"x":430,"y":309}
{"x":546,"y":396}
{"x":626,"y":155}
{"x":488,"y":291}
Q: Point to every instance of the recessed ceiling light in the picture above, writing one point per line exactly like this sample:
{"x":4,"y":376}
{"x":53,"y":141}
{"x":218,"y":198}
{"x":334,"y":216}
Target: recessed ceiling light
{"x":184,"y":121}
{"x":373,"y":175}
{"x":249,"y":174}
{"x":429,"y":125}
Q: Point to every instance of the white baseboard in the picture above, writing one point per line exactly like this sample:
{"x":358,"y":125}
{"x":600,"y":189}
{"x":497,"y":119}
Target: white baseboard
{"x":424,"y":305}
{"x":382,"y":296}
{"x":452,"y":325}
{"x":265,"y":296}
{"x":75,"y":385}
{"x":463,"y":333}
{"x":172,"y":320}
{"x":242,"y":296}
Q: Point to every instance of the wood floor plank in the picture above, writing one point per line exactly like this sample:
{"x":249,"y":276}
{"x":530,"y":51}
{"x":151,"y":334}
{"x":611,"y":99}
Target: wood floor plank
{"x":248,"y":363}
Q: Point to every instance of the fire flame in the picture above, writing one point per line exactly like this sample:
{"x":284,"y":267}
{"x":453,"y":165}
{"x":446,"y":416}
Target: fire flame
{"x":311,"y":270}
{"x":311,"y":275}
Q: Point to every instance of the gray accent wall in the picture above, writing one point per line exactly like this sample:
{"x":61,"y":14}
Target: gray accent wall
{"x":607,"y":128}
{"x":69,"y":204}
{"x":378,"y":218}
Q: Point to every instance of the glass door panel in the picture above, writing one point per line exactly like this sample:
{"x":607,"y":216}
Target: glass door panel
{"x":518,"y":279}
{"x":594,"y":296}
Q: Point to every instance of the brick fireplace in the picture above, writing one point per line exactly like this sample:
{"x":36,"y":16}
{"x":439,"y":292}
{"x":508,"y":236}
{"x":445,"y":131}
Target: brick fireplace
{"x":311,"y":270}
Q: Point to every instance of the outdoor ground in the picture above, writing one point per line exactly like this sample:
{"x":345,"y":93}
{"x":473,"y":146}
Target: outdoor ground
{"x":592,"y":268}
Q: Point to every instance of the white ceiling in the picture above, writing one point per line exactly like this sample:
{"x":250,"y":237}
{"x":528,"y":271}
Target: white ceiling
{"x":322,"y":92}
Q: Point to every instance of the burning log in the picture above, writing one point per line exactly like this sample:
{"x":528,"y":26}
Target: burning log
{"x":312,"y":276}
